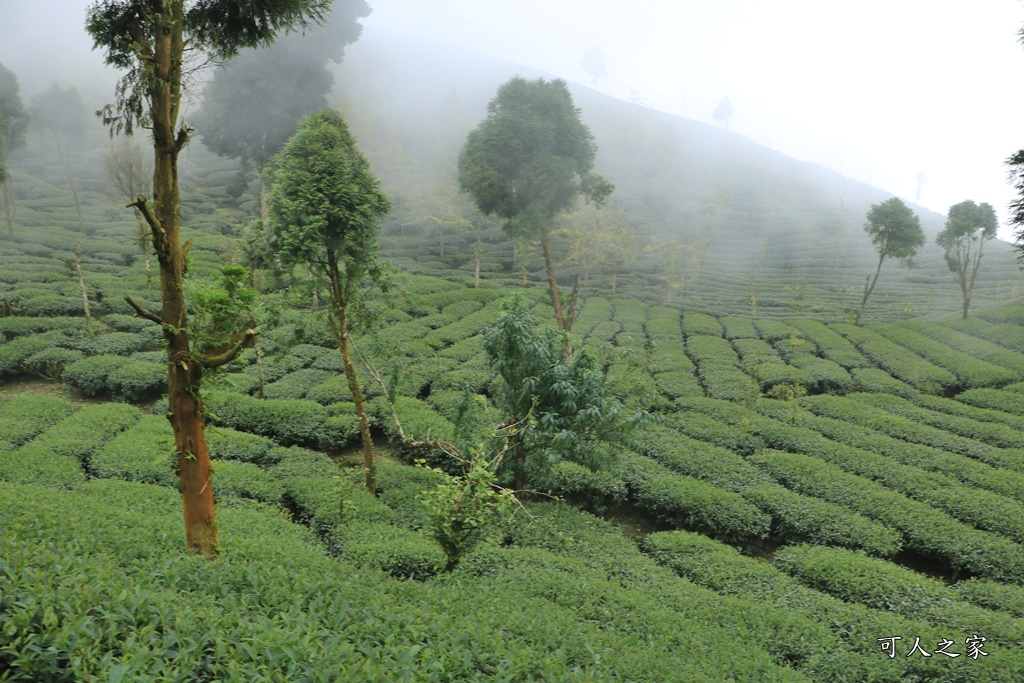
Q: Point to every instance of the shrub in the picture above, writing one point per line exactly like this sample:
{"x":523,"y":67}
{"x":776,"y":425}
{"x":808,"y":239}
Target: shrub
{"x":91,"y":375}
{"x":799,"y":518}
{"x":246,"y":480}
{"x":739,"y":328}
{"x":993,"y":399}
{"x":50,"y":363}
{"x":898,"y":361}
{"x":138,"y":380}
{"x":297,"y":384}
{"x":876,"y":381}
{"x":144,"y":453}
{"x":87,"y":430}
{"x":593,"y":491}
{"x":992,"y":595}
{"x":295,"y":461}
{"x":695,"y":323}
{"x":14,"y":353}
{"x":685,"y":502}
{"x":24,"y":417}
{"x":36,"y":464}
{"x":969,"y":370}
{"x":229,"y":444}
{"x":402,"y":553}
{"x":286,"y":421}
{"x":832,"y":345}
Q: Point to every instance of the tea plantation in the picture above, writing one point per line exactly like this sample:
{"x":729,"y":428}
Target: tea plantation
{"x":811,"y":500}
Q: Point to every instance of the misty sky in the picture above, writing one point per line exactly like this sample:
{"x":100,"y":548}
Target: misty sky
{"x":878,"y":89}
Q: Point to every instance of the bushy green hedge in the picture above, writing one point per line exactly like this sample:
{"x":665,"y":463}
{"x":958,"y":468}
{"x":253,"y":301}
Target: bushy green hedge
{"x":774,"y":330}
{"x":993,"y":399}
{"x":50,"y":363}
{"x":878,"y":381}
{"x":709,"y":460}
{"x":36,"y":464}
{"x":20,"y":326}
{"x":685,"y":502}
{"x":593,"y":491}
{"x":955,"y":407}
{"x":138,"y":380}
{"x":695,"y":323}
{"x":400,"y":552}
{"x":845,"y":628}
{"x":91,"y":375}
{"x":898,"y":361}
{"x":832,"y":345}
{"x":246,"y":480}
{"x":909,"y":430}
{"x":87,"y":430}
{"x":969,"y":370}
{"x":14,"y":353}
{"x":286,"y":421}
{"x":739,"y":328}
{"x":24,"y":417}
{"x":975,"y":347}
{"x":854,"y":577}
{"x":999,"y":435}
{"x":925,"y":530}
{"x":997,"y":479}
{"x":992,"y":595}
{"x":799,"y":518}
{"x":143,"y":453}
{"x":295,"y":461}
{"x":229,"y":444}
{"x":296,"y":384}
{"x":823,"y":376}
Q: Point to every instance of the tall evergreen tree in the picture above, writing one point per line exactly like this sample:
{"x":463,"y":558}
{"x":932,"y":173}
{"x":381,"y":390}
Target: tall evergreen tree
{"x":529,"y":161}
{"x":325,"y":206}
{"x":148,"y":40}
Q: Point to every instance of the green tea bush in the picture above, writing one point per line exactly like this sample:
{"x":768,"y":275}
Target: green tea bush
{"x":955,"y":407}
{"x":909,"y":430}
{"x":754,"y":351}
{"x":118,"y":343}
{"x":709,"y":455}
{"x":295,"y":461}
{"x":992,"y":595}
{"x":286,"y":421}
{"x":883,"y":585}
{"x":401,"y":488}
{"x":799,"y":518}
{"x":36,"y":464}
{"x":832,"y":345}
{"x":246,"y":480}
{"x":898,"y":361}
{"x":925,"y":530}
{"x":877,"y":381}
{"x":823,"y":376}
{"x":689,"y":503}
{"x":143,"y":453}
{"x":229,"y":444}
{"x":21,"y":326}
{"x":297,"y":384}
{"x":138,"y":380}
{"x":22,"y":418}
{"x":1006,"y":335}
{"x":975,"y":347}
{"x":739,"y":328}
{"x":724,"y":380}
{"x":87,"y":429}
{"x":593,"y":491}
{"x":969,"y":370}
{"x":50,"y":363}
{"x":126,"y":323}
{"x":14,"y":353}
{"x":694,"y":323}
{"x":91,"y":375}
{"x":402,"y":553}
{"x":995,"y":434}
{"x":332,"y":390}
{"x":996,"y":479}
{"x":993,"y":399}
{"x":774,"y":330}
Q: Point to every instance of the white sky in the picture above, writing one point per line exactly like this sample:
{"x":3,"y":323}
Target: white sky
{"x":877,"y":90}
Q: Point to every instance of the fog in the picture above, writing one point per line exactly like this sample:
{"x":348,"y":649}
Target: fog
{"x":879,"y":91}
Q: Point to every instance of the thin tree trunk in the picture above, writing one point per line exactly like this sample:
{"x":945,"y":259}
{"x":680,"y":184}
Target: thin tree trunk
{"x":65,"y":163}
{"x":521,"y":480}
{"x":476,"y":270}
{"x":81,"y":285}
{"x":556,"y":297}
{"x":9,"y":208}
{"x":259,"y":366}
{"x":338,"y":320}
{"x":869,"y":287}
{"x":369,"y":469}
{"x":184,"y":373}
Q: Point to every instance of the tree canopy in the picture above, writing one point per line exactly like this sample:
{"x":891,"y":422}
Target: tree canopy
{"x":531,"y":159}
{"x":325,"y":205}
{"x":896,"y":232}
{"x":254,"y":102}
{"x":968,"y":227}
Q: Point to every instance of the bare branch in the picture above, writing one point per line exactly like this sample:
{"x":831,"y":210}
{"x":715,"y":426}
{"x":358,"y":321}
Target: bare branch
{"x":142,"y":205}
{"x":143,"y":312}
{"x":229,"y":350}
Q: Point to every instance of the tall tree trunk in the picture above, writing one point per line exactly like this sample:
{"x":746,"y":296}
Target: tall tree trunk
{"x":8,"y":195}
{"x":184,"y":373}
{"x":81,"y":285}
{"x":869,"y":286}
{"x":338,"y":320}
{"x":65,"y":163}
{"x":341,"y":333}
{"x":556,"y":297}
{"x":259,"y":367}
{"x":476,"y":270}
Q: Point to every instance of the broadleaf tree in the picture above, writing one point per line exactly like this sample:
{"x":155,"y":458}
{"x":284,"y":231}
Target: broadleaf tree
{"x":968,"y":227}
{"x":557,"y":408}
{"x":324,"y":211}
{"x":157,"y":43}
{"x":530,"y":160}
{"x":14,"y":122}
{"x":253,"y":103}
{"x":896,"y":232}
{"x":60,"y":112}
